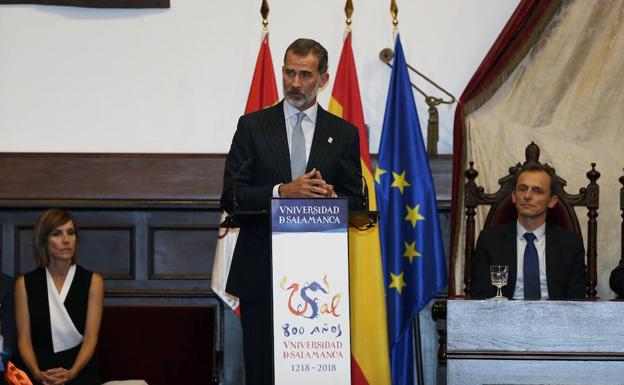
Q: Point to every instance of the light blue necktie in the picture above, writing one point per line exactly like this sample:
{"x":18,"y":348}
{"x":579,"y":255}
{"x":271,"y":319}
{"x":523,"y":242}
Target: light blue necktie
{"x":531,"y":269}
{"x":298,"y":150}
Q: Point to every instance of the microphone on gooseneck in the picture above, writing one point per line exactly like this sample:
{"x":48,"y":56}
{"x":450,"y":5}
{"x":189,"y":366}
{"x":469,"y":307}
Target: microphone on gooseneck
{"x":230,"y":221}
{"x":242,"y":168}
{"x":354,"y":171}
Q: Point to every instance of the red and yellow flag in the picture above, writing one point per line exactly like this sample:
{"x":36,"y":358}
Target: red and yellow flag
{"x":369,"y":335}
{"x":262,"y":94}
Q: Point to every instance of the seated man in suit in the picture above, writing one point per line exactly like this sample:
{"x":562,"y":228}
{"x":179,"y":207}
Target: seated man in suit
{"x":545,"y":261}
{"x":616,"y":280}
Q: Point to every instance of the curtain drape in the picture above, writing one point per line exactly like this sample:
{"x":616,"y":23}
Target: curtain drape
{"x":566,"y":94}
{"x":520,"y":32}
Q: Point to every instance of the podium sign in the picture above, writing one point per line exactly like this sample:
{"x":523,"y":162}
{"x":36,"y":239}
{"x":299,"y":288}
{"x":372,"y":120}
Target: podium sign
{"x":311,"y":333}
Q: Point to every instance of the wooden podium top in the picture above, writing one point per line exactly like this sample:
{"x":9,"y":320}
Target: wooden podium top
{"x":533,"y":327}
{"x":535,"y":342}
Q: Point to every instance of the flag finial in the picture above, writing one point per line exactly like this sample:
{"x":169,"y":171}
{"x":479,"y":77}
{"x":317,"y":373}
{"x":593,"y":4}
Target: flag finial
{"x":264,"y":11}
{"x":348,"y":12}
{"x":394,"y":11}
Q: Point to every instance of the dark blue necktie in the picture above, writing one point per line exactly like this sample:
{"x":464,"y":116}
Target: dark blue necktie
{"x":531,"y":269}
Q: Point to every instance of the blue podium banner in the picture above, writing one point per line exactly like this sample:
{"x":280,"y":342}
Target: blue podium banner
{"x":309,"y":215}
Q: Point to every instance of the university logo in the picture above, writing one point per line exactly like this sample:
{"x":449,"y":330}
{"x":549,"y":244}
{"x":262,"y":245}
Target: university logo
{"x":311,"y":299}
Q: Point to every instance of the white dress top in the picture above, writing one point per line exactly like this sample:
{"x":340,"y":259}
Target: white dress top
{"x":64,"y":333}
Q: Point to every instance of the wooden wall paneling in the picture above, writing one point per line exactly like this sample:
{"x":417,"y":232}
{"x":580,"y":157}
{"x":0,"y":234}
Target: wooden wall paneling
{"x":23,"y":255}
{"x":120,"y":201}
{"x":34,"y":179}
{"x":181,"y":251}
{"x":109,"y":250}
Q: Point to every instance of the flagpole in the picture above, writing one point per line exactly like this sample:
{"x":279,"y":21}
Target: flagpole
{"x":348,"y":13}
{"x":264,"y":11}
{"x":418,"y":349}
{"x":394,"y":12}
{"x":407,"y":189}
{"x":370,"y":364}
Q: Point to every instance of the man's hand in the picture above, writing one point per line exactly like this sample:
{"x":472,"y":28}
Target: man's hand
{"x":310,"y":185}
{"x":331,"y":193}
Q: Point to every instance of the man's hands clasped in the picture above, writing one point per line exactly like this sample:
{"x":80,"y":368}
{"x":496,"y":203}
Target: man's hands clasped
{"x":309,"y":185}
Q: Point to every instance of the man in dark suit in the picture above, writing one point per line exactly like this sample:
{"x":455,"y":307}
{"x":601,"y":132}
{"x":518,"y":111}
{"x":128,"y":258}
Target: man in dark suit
{"x":545,"y":261}
{"x":293,"y":149}
{"x":7,"y":323}
{"x":616,"y":280}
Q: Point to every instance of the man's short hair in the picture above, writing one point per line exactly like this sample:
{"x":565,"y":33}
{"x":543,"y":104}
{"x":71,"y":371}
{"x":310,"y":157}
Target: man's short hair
{"x":303,"y":47}
{"x":536,"y":166}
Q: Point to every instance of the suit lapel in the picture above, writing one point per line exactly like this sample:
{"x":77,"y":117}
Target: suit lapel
{"x":320,"y":143}
{"x":277,"y":141}
{"x":551,"y":255}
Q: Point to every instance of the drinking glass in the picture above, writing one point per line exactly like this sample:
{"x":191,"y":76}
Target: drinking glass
{"x":498,"y":275}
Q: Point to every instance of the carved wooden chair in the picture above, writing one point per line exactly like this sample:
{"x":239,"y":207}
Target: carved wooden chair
{"x":502,"y":210}
{"x":613,"y":278}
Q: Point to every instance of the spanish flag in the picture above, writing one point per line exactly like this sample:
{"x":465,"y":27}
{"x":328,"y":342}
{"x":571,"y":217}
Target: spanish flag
{"x":369,"y":336}
{"x":262,"y":94}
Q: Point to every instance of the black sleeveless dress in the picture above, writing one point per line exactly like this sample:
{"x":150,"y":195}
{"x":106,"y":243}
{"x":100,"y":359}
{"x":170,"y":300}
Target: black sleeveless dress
{"x":40,"y":331}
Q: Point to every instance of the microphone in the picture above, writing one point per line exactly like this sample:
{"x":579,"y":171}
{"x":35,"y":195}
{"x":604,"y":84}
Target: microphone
{"x":242,"y":168}
{"x":354,"y":171}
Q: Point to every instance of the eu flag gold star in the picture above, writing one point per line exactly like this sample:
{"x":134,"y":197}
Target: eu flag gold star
{"x":410,"y":251}
{"x":413,"y":215}
{"x":378,"y":173}
{"x":397,"y":282}
{"x":399,"y":181}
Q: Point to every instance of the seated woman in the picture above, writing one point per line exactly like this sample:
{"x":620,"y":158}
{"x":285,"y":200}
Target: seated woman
{"x":58,"y":307}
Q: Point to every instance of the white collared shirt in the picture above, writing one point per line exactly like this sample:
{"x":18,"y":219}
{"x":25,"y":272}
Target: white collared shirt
{"x":307,"y":125}
{"x":540,"y":245}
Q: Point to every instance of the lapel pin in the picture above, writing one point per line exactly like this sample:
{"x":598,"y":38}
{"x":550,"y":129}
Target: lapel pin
{"x":330,"y":139}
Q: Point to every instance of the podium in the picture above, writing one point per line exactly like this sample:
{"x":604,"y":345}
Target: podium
{"x":535,"y":342}
{"x":310,"y":278}
{"x":310,"y":285}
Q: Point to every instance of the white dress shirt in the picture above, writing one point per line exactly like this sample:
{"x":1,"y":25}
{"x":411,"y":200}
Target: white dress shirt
{"x":307,"y":125}
{"x":540,"y":245}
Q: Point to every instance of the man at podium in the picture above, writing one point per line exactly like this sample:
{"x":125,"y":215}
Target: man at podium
{"x":293,"y":149}
{"x":545,"y":261}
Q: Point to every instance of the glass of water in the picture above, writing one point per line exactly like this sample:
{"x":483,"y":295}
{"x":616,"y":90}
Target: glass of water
{"x":499,"y":275}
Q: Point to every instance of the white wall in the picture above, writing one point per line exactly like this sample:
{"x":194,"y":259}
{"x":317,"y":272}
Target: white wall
{"x":176,"y":80}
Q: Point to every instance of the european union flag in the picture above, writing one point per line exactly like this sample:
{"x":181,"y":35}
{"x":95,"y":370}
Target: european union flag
{"x":411,"y":242}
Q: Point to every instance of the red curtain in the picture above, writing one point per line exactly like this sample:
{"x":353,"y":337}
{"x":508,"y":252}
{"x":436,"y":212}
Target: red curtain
{"x":519,"y":27}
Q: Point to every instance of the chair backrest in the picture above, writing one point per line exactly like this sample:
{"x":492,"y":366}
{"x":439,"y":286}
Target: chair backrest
{"x":502,"y":210}
{"x":622,"y":210}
